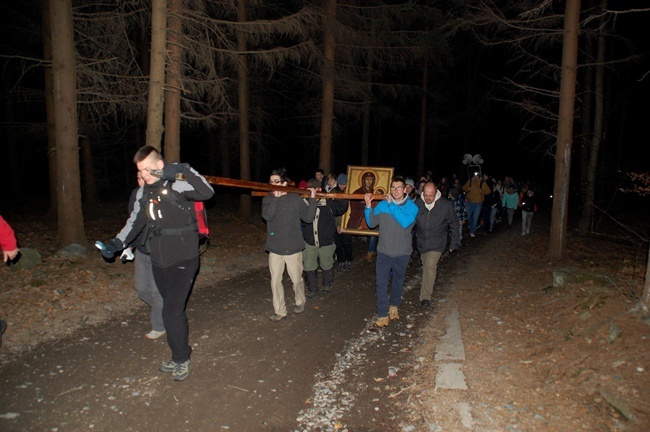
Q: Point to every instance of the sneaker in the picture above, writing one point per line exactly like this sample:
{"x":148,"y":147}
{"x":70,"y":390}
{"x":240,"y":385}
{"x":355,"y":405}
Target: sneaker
{"x":425,"y":303}
{"x":167,"y":366}
{"x":299,"y":309}
{"x":181,"y":371}
{"x":348,"y":265}
{"x":276,"y":317}
{"x":472,"y":235}
{"x":382,"y":322}
{"x":327,"y":289}
{"x":311,"y":295}
{"x":153,"y":334}
{"x":527,"y":231}
{"x":523,"y":233}
{"x":393,"y":313}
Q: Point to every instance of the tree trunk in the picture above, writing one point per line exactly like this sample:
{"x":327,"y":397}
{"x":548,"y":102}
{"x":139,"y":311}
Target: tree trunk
{"x":365,"y":137}
{"x":327,"y":117}
{"x":245,"y":200}
{"x":586,"y":219}
{"x":173,"y":88}
{"x":423,"y":117}
{"x":49,"y":108}
{"x":90,"y":184}
{"x":585,"y":118}
{"x":157,"y":73}
{"x":224,"y":149}
{"x":557,"y":242}
{"x":64,"y":74}
{"x":14,"y":174}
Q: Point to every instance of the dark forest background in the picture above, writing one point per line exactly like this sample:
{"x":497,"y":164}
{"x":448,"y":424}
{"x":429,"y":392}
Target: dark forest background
{"x":476,"y":101}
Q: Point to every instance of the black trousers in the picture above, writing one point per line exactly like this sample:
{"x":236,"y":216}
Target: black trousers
{"x":343,"y":247}
{"x":175,"y":283}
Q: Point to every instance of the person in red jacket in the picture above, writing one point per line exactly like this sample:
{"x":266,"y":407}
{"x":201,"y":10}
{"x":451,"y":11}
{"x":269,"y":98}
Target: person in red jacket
{"x":10,"y":250}
{"x":8,"y":241}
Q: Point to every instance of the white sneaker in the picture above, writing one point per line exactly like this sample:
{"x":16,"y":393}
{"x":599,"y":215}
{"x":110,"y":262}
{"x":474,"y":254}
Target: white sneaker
{"x":153,"y":334}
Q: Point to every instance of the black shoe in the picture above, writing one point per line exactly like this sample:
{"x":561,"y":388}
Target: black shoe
{"x":327,"y":289}
{"x":312,"y":295}
{"x":348,"y":266}
{"x":425,"y":303}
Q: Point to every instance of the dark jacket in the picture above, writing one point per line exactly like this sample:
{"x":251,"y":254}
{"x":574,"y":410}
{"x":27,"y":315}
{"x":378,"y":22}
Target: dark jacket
{"x":166,"y":211}
{"x":434,"y":225}
{"x":325,"y":229}
{"x":283,"y":215}
{"x":528,"y":203}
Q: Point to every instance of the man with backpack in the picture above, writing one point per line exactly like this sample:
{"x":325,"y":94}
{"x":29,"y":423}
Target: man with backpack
{"x":164,"y":208}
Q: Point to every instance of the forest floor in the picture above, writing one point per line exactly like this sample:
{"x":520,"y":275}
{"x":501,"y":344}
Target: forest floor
{"x":526,"y":355}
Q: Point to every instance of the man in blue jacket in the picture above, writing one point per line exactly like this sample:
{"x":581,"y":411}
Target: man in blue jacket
{"x":436,"y":220}
{"x":395,"y":217}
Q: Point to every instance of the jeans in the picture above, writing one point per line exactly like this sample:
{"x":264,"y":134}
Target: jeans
{"x":148,"y":292}
{"x":473,"y":213}
{"x":175,"y":283}
{"x":526,"y":221}
{"x":388,"y":266}
{"x":372,"y":243}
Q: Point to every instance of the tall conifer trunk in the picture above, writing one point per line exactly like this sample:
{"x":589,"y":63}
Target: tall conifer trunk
{"x":245,"y":201}
{"x":557,"y":242}
{"x":173,"y":87}
{"x":64,"y":74}
{"x":49,"y":106}
{"x":327,"y":115}
{"x":157,"y":73}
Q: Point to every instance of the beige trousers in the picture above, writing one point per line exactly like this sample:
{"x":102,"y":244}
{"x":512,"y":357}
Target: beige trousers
{"x":429,"y":271}
{"x":293,"y":264}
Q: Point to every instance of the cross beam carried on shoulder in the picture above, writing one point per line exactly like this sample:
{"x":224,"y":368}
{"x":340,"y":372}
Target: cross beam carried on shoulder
{"x":261,"y":189}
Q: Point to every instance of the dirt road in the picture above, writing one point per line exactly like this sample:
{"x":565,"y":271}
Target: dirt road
{"x":247,"y":373}
{"x":532,"y":358}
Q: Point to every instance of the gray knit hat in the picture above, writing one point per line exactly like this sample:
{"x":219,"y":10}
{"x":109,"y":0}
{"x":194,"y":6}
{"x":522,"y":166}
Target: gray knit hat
{"x":342,"y":179}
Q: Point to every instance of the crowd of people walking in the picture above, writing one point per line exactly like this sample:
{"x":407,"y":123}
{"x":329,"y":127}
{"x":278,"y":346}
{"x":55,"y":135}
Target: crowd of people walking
{"x":305,"y":236}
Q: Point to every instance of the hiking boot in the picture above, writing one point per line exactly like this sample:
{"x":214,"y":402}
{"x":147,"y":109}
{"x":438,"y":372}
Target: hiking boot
{"x":181,"y":371}
{"x":153,"y":334}
{"x":382,"y":322}
{"x":299,"y":309}
{"x":276,"y":317}
{"x":167,"y":366}
{"x":392,"y":313}
{"x":311,"y":295}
